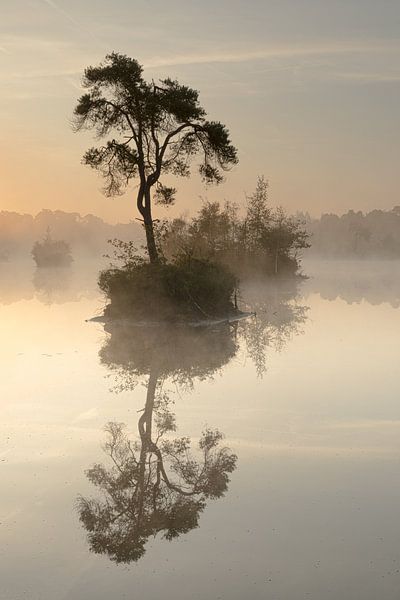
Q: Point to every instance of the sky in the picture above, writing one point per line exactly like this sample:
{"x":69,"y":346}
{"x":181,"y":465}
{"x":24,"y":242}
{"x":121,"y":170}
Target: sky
{"x":309,"y":90}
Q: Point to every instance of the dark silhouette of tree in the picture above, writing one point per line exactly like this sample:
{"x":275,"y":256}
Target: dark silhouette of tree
{"x":153,"y":485}
{"x":151,"y":130}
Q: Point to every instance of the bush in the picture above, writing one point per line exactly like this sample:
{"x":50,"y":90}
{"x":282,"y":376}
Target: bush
{"x":187,"y":288}
{"x":51,"y":253}
{"x":264,"y":241}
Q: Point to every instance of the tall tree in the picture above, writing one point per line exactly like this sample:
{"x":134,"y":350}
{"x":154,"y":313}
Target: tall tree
{"x":258,"y":216}
{"x":151,"y":130}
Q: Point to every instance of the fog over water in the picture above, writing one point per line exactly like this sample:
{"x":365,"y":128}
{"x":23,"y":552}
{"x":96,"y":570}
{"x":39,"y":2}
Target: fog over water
{"x":304,"y":500}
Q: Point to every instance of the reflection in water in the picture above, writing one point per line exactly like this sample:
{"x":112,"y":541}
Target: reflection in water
{"x":311,"y":510}
{"x":52,"y":285}
{"x":353,"y":281}
{"x":153,"y":486}
{"x":179,"y":353}
{"x":157,"y":483}
{"x":278,"y":317}
{"x":375,"y":282}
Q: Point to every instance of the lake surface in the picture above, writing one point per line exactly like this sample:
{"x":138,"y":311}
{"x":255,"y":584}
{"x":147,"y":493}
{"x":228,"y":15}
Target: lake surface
{"x":304,"y":500}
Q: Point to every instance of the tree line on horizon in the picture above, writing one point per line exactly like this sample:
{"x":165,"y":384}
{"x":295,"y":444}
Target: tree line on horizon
{"x":375,"y":234}
{"x":87,"y":235}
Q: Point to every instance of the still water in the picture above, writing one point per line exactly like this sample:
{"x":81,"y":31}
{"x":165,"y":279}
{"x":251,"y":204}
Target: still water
{"x":299,"y":499}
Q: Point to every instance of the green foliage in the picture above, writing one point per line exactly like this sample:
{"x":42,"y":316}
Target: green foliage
{"x":258,"y":217}
{"x":157,"y":127}
{"x":265,"y":240}
{"x":188,"y":287}
{"x":152,"y":130}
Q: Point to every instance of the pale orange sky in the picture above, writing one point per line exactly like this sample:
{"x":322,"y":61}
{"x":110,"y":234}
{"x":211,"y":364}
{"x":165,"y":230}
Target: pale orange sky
{"x":308,"y":88}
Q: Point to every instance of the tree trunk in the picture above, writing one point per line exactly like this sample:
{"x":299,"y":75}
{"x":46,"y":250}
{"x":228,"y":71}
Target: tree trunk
{"x":150,"y":239}
{"x":144,"y":207}
{"x":145,"y":428}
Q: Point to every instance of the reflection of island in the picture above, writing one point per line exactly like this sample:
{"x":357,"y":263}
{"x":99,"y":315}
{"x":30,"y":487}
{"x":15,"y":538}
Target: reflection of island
{"x":156,"y":483}
{"x":179,"y":353}
{"x":53,"y":285}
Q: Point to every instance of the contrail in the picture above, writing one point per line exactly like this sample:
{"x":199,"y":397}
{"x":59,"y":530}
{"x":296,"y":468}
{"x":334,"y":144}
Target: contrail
{"x":73,"y":21}
{"x":62,"y":12}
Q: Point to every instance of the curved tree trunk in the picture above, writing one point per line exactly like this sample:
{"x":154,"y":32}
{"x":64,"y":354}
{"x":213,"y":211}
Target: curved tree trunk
{"x":144,"y":207}
{"x":150,"y":239}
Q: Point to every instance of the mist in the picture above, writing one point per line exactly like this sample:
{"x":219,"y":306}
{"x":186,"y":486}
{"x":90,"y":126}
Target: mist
{"x":199,"y":300}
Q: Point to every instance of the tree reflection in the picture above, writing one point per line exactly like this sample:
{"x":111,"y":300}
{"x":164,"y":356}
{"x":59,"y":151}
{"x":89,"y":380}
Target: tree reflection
{"x":158,"y":483}
{"x":152,"y":487}
{"x":279,"y":316}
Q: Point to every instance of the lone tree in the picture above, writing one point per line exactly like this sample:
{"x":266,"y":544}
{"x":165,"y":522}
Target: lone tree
{"x":151,"y":130}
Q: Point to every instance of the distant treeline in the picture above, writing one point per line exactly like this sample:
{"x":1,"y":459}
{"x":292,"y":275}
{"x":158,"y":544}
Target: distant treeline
{"x":357,"y":235}
{"x":263,"y":234}
{"x":87,"y":235}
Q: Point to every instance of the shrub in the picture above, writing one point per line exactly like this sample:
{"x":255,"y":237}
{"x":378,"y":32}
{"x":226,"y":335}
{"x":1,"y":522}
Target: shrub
{"x":51,"y":253}
{"x":185,"y":288}
{"x":264,"y":241}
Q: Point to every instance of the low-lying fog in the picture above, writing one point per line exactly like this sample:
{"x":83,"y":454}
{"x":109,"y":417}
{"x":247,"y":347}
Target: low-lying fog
{"x":300,"y":499}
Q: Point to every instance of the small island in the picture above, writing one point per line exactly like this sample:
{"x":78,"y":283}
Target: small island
{"x":191,"y":270}
{"x":51,"y":253}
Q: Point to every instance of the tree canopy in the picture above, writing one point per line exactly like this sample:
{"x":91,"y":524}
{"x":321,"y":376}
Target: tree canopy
{"x":150,"y":130}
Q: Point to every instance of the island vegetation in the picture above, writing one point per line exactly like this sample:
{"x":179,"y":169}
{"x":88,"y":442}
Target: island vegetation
{"x":185,"y":288}
{"x":51,"y":253}
{"x":151,"y":130}
{"x":265,"y":241}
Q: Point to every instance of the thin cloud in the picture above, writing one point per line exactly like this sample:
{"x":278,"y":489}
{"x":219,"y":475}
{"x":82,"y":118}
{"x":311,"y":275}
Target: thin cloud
{"x":24,"y":43}
{"x":367,"y":424}
{"x":268,"y":53}
{"x":369,"y":77}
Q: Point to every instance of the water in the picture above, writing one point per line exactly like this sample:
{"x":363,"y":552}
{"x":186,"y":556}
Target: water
{"x":306,"y":396}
